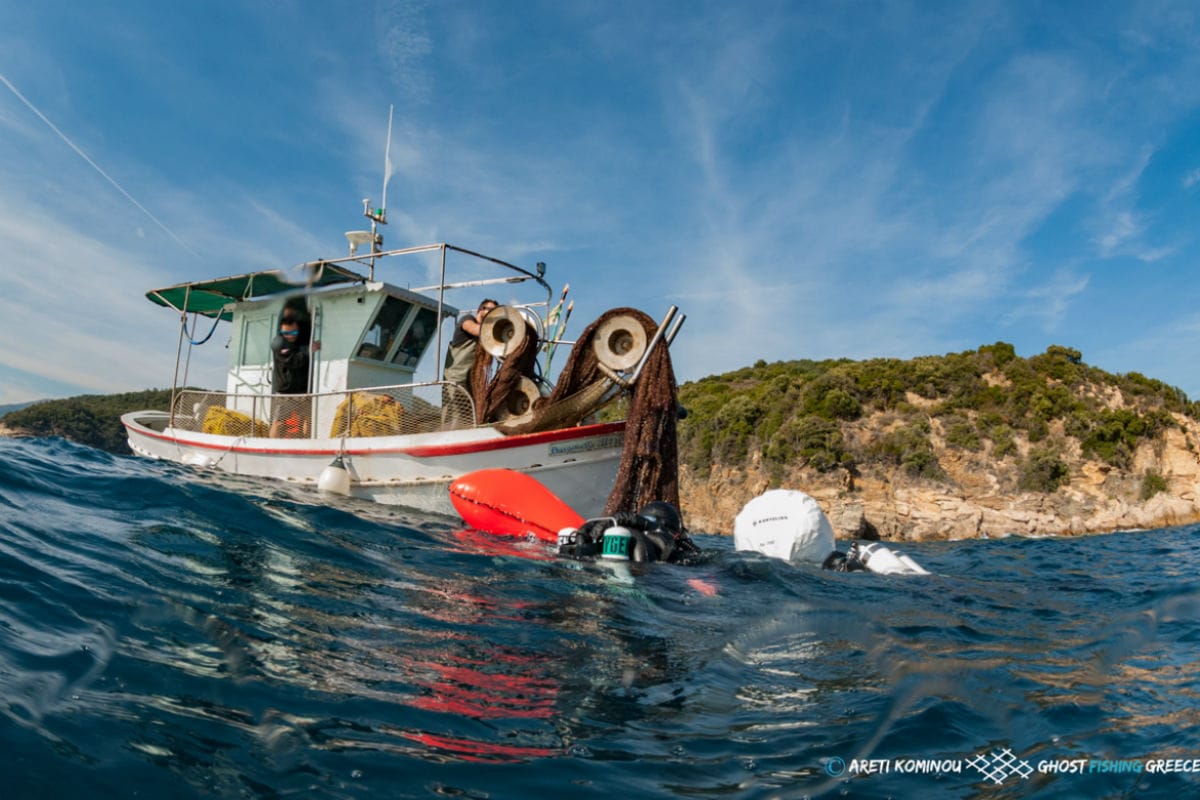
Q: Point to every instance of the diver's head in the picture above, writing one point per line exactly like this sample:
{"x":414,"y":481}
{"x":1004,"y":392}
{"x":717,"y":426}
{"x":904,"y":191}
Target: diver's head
{"x":844,"y":562}
{"x":662,"y":515}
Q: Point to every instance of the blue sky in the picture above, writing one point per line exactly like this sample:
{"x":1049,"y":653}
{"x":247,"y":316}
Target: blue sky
{"x":805,"y":180}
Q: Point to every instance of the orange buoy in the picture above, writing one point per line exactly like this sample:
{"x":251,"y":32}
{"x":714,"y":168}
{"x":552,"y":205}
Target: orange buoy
{"x":510,"y":503}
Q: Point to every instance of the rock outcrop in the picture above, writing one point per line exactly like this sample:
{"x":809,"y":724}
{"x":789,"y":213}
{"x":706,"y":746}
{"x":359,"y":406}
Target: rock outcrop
{"x":978,"y":497}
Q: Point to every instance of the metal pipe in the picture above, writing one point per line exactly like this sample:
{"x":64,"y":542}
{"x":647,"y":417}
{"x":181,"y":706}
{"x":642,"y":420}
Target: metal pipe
{"x":613,"y":376}
{"x":187,"y":294}
{"x":374,"y":249}
{"x":441,"y":320}
{"x":315,"y":320}
{"x":522,"y":270}
{"x":658,"y":334}
{"x":443,"y":246}
{"x":187,"y":364}
{"x":467,"y":284}
{"x":399,"y":251}
{"x":675,"y":329}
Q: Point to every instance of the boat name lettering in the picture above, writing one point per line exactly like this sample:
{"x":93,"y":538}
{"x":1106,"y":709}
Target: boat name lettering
{"x":600,"y":443}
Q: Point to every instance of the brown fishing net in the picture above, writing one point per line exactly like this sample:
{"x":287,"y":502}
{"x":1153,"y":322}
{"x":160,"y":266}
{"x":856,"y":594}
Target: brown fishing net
{"x":649,"y":469}
{"x":649,"y":460}
{"x":491,"y":396}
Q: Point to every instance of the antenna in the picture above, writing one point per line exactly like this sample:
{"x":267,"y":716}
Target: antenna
{"x":378,"y":216}
{"x":387,"y":166}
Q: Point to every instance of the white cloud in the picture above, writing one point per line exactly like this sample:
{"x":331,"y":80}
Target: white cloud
{"x":1123,"y":231}
{"x":73,"y":312}
{"x":1048,"y":303}
{"x":404,"y":45}
{"x":1127,"y":183}
{"x":1154,"y":350}
{"x":830,"y":246}
{"x":88,"y":159}
{"x":1124,"y":226}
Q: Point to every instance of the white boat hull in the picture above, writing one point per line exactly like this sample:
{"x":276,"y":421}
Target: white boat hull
{"x":578,"y":464}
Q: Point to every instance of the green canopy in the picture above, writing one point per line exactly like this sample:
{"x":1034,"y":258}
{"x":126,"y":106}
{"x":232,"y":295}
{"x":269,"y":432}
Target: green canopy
{"x":210,"y":298}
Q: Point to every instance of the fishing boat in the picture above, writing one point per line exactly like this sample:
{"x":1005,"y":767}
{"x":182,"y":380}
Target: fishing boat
{"x":366,"y":427}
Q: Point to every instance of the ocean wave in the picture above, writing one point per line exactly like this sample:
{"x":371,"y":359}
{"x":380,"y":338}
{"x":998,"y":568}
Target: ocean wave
{"x":184,"y":633}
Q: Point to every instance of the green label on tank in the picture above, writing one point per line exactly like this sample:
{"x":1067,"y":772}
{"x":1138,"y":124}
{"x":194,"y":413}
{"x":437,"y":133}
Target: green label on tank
{"x":616,"y":546}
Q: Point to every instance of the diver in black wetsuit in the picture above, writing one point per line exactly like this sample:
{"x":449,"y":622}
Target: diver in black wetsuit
{"x":655,"y":533}
{"x":837,"y":561}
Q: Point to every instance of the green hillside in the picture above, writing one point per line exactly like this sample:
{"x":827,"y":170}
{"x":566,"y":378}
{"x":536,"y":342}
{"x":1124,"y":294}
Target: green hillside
{"x":802,"y":413}
{"x":88,"y":419}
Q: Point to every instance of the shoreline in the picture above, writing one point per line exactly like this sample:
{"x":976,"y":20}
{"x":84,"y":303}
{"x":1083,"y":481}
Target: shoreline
{"x":890,"y":507}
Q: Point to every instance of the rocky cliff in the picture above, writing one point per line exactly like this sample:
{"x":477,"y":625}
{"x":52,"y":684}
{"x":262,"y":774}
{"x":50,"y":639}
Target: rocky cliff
{"x":981,"y":498}
{"x":960,"y":485}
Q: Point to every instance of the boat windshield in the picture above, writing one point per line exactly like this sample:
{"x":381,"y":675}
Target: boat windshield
{"x":417,"y":338}
{"x":381,"y":334}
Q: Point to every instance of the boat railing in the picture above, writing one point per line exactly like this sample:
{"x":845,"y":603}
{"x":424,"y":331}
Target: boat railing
{"x":511,"y":273}
{"x":400,"y":410}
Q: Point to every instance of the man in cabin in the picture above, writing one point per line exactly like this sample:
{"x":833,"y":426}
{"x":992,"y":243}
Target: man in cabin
{"x":460,"y":357}
{"x":289,"y":376}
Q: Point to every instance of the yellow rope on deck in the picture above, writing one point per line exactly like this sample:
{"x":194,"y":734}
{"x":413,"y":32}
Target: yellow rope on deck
{"x":367,"y":414}
{"x":226,"y":422}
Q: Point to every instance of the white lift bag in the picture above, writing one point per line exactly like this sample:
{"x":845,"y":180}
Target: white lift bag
{"x":787,"y":524}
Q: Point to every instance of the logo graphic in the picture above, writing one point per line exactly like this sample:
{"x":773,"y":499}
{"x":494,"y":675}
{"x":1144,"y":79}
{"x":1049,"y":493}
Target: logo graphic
{"x":1000,"y":765}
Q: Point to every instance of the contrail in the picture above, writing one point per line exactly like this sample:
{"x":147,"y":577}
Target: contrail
{"x":95,"y":166}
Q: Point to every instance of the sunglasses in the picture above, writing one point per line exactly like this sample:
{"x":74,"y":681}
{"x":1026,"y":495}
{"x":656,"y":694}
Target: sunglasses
{"x":290,"y":333}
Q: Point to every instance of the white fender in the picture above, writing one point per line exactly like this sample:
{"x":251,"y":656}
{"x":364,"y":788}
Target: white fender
{"x":620,"y":342}
{"x":502,"y":332}
{"x":335,"y":479}
{"x":787,"y":524}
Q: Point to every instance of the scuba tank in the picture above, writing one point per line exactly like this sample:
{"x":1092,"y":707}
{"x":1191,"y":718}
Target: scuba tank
{"x":882,"y":561}
{"x":653,"y":534}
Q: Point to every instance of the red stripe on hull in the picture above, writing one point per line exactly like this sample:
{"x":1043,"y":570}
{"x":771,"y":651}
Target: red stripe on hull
{"x":418,"y":451}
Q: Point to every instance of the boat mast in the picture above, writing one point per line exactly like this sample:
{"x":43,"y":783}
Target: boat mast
{"x":378,"y":216}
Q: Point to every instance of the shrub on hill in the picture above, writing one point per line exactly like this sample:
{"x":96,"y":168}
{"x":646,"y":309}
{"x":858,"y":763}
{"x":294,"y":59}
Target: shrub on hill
{"x":797,"y":412}
{"x":1152,"y":484}
{"x":816,"y":442}
{"x":1043,"y":471}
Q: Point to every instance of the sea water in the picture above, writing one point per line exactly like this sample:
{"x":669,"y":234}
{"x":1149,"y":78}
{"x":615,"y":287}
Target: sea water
{"x":166,"y":632}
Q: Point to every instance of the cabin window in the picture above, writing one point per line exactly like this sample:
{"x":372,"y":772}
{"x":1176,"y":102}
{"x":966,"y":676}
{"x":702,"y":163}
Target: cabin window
{"x":416,"y":338}
{"x":257,"y":332}
{"x":383,"y":330}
